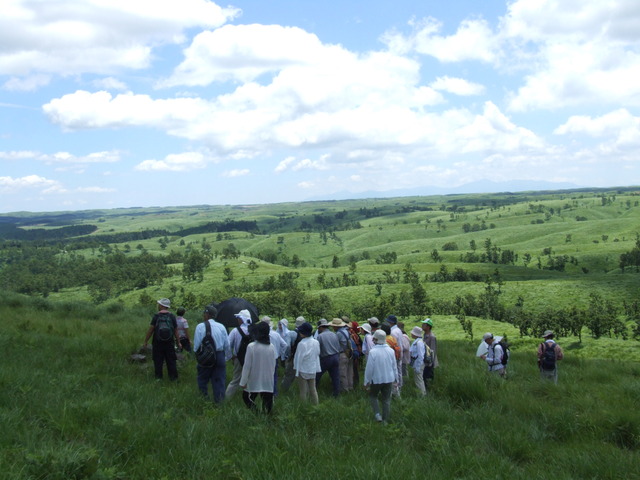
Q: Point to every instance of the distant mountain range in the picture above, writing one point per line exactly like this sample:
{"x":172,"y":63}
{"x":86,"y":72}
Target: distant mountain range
{"x":481,"y":186}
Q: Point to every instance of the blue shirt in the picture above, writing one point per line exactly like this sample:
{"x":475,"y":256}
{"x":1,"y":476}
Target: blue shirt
{"x":219,"y":334}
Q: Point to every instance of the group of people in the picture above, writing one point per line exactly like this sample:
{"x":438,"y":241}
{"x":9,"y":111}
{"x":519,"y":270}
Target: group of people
{"x":338,"y":347}
{"x":549,"y":354}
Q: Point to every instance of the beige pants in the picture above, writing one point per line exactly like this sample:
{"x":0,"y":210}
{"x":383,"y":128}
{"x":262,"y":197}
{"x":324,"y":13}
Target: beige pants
{"x":308,"y":390}
{"x":234,"y":384}
{"x":419,"y":380}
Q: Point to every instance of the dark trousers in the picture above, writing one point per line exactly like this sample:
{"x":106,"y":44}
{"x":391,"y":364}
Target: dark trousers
{"x":331,"y":364}
{"x":289,"y":374}
{"x":185,"y":344}
{"x":164,"y":352}
{"x":427,"y":376}
{"x":250,"y":400}
{"x":216,"y":376}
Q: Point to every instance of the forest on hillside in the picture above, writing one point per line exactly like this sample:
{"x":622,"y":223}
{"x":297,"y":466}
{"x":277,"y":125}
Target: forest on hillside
{"x":567,"y":260}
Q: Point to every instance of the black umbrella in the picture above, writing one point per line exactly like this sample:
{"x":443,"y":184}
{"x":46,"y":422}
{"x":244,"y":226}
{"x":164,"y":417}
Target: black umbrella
{"x":229,"y":307}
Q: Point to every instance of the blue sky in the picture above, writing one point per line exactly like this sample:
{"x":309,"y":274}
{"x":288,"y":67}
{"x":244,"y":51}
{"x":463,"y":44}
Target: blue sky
{"x":121,"y":103}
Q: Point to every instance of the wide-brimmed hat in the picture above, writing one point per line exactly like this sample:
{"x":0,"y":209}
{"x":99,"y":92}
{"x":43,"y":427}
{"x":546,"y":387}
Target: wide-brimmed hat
{"x":337,"y":322}
{"x":165,"y":302}
{"x":323,"y":323}
{"x":244,"y":315}
{"x":379,"y":337}
{"x":373,"y":321}
{"x":300,"y":320}
{"x":547,"y":333}
{"x":366,"y":327}
{"x":416,"y":332}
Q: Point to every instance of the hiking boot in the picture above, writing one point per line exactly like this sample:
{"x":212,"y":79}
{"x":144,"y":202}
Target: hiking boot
{"x":378,"y":417}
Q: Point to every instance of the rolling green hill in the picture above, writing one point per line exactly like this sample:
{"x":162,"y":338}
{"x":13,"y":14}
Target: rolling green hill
{"x":534,"y":260}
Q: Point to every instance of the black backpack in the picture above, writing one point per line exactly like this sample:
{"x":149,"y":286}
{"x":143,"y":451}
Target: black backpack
{"x":548,"y":359}
{"x":242,"y":350}
{"x":206,"y":352}
{"x":506,"y":352}
{"x":164,"y":327}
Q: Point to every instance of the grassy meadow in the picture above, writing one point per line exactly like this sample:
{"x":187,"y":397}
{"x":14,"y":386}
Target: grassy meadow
{"x":73,"y":407}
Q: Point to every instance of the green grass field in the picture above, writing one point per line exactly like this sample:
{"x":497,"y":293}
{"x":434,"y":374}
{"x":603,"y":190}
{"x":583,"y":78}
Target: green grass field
{"x":73,"y":407}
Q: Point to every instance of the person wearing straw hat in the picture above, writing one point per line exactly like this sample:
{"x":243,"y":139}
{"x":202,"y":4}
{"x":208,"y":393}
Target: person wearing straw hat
{"x":549,"y":353}
{"x":163,"y":345}
{"x":417,"y":351}
{"x":380,"y":373}
{"x":345,"y":362}
{"x":329,"y":355}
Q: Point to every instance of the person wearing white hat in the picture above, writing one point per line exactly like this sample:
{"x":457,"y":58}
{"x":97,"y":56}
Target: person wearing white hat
{"x":329,"y":355}
{"x":164,"y":329}
{"x":239,"y":339}
{"x":367,"y":341}
{"x":380,"y":373}
{"x":417,"y":351}
{"x":494,"y":355}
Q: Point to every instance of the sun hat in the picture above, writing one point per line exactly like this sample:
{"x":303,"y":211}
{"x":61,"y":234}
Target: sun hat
{"x":366,"y":327}
{"x":305,"y":329}
{"x":244,"y":315}
{"x":427,"y":321}
{"x":373,"y":321}
{"x":323,"y":323}
{"x":547,"y":333}
{"x":165,"y":302}
{"x":300,"y":320}
{"x":337,"y":322}
{"x":379,"y":337}
{"x":416,"y":332}
{"x":392,"y":319}
{"x":487,"y":336}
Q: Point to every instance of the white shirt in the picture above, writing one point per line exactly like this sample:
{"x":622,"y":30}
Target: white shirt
{"x":235,"y":338}
{"x":307,"y":358}
{"x":218,"y":332}
{"x":494,"y":357}
{"x":381,"y":365}
{"x":367,"y":343}
{"x":417,"y":353}
{"x":257,"y":372}
{"x":278,"y":342}
{"x":397,"y":334}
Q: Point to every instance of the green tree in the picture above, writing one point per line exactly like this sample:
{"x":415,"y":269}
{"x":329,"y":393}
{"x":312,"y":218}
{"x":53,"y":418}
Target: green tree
{"x":227,"y":274}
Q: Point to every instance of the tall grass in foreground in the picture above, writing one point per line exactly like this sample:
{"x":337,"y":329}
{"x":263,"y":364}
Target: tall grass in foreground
{"x":73,"y":407}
